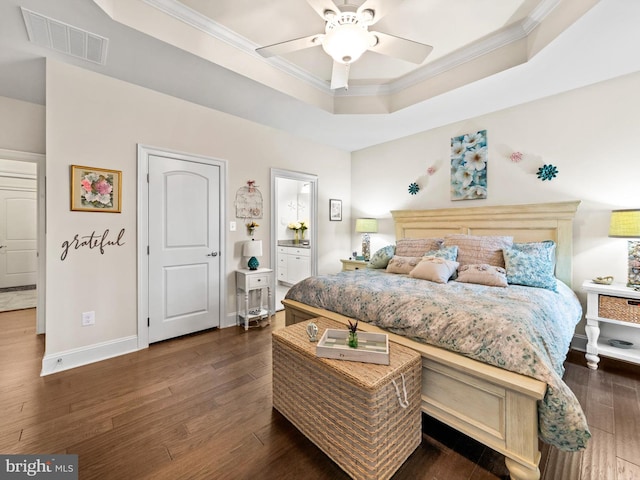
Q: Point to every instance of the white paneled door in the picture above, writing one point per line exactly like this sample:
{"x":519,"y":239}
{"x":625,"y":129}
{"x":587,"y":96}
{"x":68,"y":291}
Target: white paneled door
{"x":184,"y":247}
{"x":18,"y":238}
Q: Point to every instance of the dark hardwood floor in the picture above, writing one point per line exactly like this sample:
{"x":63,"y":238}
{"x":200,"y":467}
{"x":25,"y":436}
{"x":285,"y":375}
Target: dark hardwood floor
{"x":199,"y":407}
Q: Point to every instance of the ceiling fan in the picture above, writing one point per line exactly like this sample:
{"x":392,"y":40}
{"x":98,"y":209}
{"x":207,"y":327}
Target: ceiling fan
{"x":347,"y":37}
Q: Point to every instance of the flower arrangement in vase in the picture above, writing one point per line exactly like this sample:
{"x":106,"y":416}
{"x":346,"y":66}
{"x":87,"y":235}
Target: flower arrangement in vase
{"x":251,"y":227}
{"x":352,"y":341}
{"x":303,"y":228}
{"x":298,"y":230}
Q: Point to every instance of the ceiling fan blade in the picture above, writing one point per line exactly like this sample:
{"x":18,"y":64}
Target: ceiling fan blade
{"x":290,"y":45}
{"x":321,"y":6}
{"x":402,"y":48}
{"x":379,"y":7}
{"x":339,"y":76}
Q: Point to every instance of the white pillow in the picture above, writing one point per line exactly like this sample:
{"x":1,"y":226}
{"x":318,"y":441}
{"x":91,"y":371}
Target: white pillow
{"x":434,"y":269}
{"x":483,"y":274}
{"x":399,"y":264}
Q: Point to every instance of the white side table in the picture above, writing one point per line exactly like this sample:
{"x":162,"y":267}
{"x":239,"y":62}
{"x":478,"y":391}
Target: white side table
{"x":246,"y":282}
{"x":597,"y":314}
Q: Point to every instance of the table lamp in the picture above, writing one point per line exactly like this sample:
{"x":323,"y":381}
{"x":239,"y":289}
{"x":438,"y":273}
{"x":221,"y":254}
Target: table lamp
{"x":366,"y":226}
{"x":626,"y":224}
{"x":252,"y":249}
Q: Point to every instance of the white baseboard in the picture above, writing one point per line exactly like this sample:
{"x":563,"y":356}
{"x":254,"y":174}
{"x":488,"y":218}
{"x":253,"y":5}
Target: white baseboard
{"x":229,"y":321}
{"x":68,"y":359}
{"x":579,"y":342}
{"x":77,"y":357}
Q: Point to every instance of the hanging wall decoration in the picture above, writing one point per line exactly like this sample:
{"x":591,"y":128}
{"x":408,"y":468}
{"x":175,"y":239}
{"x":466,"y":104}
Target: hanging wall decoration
{"x":251,"y":227}
{"x":249,"y":201}
{"x":516,"y":157}
{"x":547,"y":172}
{"x":335,"y":210}
{"x":469,"y":166}
{"x":94,"y":240}
{"x":421,"y":182}
{"x":96,"y":189}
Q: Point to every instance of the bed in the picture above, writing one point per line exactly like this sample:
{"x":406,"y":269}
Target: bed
{"x":502,"y":409}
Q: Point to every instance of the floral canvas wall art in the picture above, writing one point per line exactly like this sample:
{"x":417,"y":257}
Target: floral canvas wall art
{"x":95,"y":189}
{"x":469,"y":166}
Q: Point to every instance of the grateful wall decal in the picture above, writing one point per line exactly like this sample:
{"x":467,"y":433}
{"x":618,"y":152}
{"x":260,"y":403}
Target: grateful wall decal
{"x":92,"y":241}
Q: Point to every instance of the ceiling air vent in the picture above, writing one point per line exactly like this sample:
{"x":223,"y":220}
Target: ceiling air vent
{"x":67,"y":39}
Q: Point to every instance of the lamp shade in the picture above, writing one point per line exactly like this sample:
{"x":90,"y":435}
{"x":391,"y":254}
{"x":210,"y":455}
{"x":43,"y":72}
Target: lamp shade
{"x":252,"y":248}
{"x":625,"y":223}
{"x":366,"y":225}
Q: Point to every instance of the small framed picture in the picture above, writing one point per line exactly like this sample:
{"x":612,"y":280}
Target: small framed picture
{"x":95,"y":189}
{"x":335,"y":210}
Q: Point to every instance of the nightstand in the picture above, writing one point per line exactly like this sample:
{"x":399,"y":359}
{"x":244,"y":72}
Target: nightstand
{"x":610,"y":304}
{"x":353,"y":264}
{"x":246,"y":282}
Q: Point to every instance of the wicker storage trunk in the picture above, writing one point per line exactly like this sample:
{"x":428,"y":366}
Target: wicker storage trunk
{"x":350,"y":410}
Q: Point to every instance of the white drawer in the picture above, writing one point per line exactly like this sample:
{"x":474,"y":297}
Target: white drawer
{"x":257,"y":281}
{"x":300,"y":252}
{"x":303,"y":252}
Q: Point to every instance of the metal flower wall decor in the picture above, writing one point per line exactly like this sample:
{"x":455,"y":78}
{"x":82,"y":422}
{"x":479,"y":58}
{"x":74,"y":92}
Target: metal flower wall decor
{"x":414,"y":187}
{"x":547,"y":172}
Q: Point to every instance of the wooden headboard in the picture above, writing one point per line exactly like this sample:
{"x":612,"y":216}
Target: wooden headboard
{"x":526,"y":223}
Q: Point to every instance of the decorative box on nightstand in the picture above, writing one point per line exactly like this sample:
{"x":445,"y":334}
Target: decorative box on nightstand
{"x":616,"y":305}
{"x":353,"y":264}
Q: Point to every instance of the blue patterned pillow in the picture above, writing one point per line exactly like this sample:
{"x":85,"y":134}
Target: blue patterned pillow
{"x":531,"y":264}
{"x":448,"y":253}
{"x":381,"y":258}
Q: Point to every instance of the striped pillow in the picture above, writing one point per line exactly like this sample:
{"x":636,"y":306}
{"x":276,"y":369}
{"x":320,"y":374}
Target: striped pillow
{"x":416,"y":247}
{"x":476,"y":249}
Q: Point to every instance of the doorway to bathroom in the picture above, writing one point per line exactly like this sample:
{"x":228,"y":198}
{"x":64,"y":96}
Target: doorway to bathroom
{"x":294,"y":228}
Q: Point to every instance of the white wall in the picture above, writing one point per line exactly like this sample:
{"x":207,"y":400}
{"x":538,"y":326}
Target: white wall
{"x":590,"y":134}
{"x":22,"y":126}
{"x":97,"y":121}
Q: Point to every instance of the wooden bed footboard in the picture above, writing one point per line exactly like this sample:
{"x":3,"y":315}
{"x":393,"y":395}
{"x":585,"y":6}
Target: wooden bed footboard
{"x":496,"y":407}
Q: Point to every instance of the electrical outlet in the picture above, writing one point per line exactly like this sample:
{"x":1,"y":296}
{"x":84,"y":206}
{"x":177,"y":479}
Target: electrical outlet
{"x":232,"y":226}
{"x":88,"y":318}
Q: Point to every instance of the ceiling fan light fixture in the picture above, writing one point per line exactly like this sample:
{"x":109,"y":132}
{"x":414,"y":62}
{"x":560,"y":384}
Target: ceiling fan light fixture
{"x":368,"y":15}
{"x":346,"y":43}
{"x":329,"y":15}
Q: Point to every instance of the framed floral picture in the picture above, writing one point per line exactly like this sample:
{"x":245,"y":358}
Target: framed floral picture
{"x":335,"y":210}
{"x":95,"y":189}
{"x":469,"y":166}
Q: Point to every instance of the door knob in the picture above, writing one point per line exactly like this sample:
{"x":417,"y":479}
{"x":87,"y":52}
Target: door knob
{"x":2,"y":246}
{"x":212,"y":254}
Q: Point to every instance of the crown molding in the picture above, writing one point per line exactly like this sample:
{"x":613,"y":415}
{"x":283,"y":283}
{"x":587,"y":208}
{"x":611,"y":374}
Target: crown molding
{"x":195,"y":19}
{"x":473,"y":51}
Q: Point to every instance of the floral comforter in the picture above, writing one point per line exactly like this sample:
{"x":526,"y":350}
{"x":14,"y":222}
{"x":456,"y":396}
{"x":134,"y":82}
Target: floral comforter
{"x":522,"y":329}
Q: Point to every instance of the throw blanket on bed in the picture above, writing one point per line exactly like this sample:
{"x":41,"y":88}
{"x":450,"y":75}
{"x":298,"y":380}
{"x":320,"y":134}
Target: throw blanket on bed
{"x":522,"y":329}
